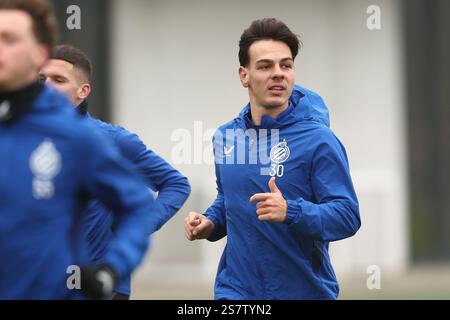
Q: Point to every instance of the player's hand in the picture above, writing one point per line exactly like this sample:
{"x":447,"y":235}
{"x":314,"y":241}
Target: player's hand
{"x":270,"y":206}
{"x":98,"y":281}
{"x":197,"y":226}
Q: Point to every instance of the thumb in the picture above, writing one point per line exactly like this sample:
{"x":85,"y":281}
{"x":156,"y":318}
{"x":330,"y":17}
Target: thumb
{"x":201,"y":226}
{"x":273,"y":187}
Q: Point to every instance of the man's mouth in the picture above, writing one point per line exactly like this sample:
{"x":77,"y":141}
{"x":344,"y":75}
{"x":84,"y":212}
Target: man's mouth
{"x":277,"y":89}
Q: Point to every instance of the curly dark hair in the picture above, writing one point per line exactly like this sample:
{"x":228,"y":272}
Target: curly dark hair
{"x":45,"y":26}
{"x":267,"y":29}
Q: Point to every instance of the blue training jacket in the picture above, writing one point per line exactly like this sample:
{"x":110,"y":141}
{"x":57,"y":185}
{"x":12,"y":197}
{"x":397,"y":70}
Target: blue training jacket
{"x":173,"y":189}
{"x":52,"y":160}
{"x":266,"y":260}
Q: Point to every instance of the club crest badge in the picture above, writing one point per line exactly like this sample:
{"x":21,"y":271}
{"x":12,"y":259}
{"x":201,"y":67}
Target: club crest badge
{"x":280,"y":153}
{"x":45,"y":164}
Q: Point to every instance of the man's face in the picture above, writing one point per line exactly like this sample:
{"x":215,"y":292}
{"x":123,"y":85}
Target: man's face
{"x":21,"y":56}
{"x":270,"y":75}
{"x":65,"y":78}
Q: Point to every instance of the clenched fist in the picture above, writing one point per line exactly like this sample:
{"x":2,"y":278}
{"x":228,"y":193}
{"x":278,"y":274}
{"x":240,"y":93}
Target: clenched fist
{"x":197,"y":226}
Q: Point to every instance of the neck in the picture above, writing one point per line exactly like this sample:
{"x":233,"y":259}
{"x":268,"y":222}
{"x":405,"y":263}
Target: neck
{"x":24,"y":91}
{"x":259,"y":111}
{"x":18,"y":102}
{"x":17,"y":86}
{"x":82,"y":107}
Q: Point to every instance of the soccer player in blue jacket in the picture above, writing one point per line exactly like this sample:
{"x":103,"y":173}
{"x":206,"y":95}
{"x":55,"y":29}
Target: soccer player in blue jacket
{"x":283,"y":181}
{"x":53,"y":161}
{"x":69,"y":70}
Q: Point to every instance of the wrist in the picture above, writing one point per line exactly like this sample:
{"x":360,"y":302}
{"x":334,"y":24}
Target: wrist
{"x":293,"y":211}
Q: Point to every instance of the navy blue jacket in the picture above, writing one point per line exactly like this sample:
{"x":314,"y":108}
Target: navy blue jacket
{"x":173,"y":189}
{"x":266,"y":260}
{"x":52,"y":161}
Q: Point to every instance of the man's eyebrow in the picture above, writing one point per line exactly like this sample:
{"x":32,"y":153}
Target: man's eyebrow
{"x":271,"y":61}
{"x":287,"y":59}
{"x":264,"y":61}
{"x":59,"y":77}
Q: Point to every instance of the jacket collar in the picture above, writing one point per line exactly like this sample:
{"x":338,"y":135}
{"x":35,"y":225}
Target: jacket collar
{"x":14,"y":104}
{"x":304,"y":105}
{"x":83,"y":108}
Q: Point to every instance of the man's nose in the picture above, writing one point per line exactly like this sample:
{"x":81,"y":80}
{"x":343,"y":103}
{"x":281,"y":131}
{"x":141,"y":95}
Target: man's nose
{"x":278,"y":73}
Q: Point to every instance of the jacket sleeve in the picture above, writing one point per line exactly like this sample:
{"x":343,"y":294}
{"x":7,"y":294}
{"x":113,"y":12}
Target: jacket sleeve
{"x":114,"y":182}
{"x":217,"y":211}
{"x":173,"y":188}
{"x":334,"y":214}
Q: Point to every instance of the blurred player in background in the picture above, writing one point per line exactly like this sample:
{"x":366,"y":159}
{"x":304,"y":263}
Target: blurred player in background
{"x":52,"y":161}
{"x":69,"y":70}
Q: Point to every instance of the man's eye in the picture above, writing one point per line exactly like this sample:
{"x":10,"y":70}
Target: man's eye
{"x":10,"y":39}
{"x":287,"y":66}
{"x":264,"y":67}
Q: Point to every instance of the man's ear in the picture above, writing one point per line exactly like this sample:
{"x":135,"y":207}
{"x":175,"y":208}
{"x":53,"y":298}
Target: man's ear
{"x":243,"y":75}
{"x":84,"y":91}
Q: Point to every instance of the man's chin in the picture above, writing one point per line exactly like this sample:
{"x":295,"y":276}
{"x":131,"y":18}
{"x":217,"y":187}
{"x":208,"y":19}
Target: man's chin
{"x":272,"y":105}
{"x":3,"y":85}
